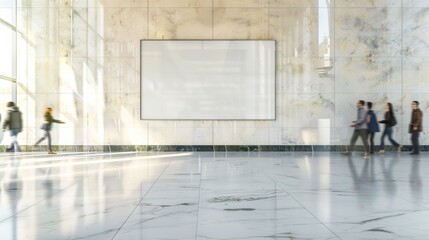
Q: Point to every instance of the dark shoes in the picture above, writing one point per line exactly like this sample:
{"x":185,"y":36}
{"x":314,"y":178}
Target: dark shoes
{"x":12,"y":149}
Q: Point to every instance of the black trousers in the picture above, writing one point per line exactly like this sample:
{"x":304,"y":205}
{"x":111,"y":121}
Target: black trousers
{"x":48,"y":136}
{"x":363,"y":134}
{"x":415,"y":141}
{"x":371,"y":141}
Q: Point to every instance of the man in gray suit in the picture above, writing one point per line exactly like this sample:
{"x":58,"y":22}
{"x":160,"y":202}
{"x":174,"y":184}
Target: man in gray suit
{"x":361,"y":129}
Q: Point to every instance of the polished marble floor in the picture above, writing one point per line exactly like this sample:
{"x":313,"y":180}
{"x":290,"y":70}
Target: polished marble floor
{"x":213,"y":195}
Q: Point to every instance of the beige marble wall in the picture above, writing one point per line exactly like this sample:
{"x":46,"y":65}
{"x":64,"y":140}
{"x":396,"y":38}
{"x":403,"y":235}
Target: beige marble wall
{"x":82,"y":58}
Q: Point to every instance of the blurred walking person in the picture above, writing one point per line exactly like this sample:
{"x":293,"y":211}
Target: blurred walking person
{"x":416,"y":126}
{"x":389,"y":121}
{"x":361,"y":129}
{"x":372,"y":126}
{"x":47,"y":126}
{"x":13,"y":123}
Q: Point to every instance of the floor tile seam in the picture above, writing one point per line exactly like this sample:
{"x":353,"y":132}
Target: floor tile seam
{"x":62,"y":155}
{"x":60,"y":158}
{"x":41,"y":154}
{"x":296,"y":200}
{"x":413,"y":203}
{"x":74,"y":154}
{"x":394,"y":197}
{"x":76,"y":162}
{"x":54,"y":162}
{"x":141,"y":200}
{"x":275,"y":182}
{"x":42,"y":200}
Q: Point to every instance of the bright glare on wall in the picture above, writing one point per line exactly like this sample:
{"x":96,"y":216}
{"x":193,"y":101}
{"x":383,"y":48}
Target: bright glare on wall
{"x":207,"y":79}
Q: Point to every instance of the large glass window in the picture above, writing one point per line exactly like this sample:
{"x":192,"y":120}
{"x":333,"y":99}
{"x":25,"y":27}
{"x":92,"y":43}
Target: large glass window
{"x":7,"y":11}
{"x":8,"y":50}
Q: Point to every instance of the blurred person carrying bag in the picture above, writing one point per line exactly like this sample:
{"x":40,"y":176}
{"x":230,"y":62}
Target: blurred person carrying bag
{"x":46,"y":127}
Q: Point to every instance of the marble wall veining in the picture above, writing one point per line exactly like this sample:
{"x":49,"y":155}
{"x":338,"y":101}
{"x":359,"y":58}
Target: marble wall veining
{"x":82,"y":57}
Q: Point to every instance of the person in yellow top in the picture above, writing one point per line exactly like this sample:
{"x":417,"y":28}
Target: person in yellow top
{"x":47,"y":126}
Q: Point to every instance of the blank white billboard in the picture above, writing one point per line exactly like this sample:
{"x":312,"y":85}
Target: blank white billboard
{"x":207,"y":80}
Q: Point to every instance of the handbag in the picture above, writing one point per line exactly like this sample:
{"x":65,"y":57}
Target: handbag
{"x":45,"y":127}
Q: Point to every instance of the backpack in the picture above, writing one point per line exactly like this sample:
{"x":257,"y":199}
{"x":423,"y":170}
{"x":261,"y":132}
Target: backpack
{"x":393,"y":121}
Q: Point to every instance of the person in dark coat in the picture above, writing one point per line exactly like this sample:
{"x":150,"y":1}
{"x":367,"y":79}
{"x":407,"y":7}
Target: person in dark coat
{"x":389,"y":121}
{"x":13,"y":123}
{"x":372,"y":126}
{"x":47,"y":126}
{"x":416,"y":126}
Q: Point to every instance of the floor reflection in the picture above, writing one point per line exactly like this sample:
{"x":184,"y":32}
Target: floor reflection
{"x":415,"y":180}
{"x":213,"y":196}
{"x":12,"y":184}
